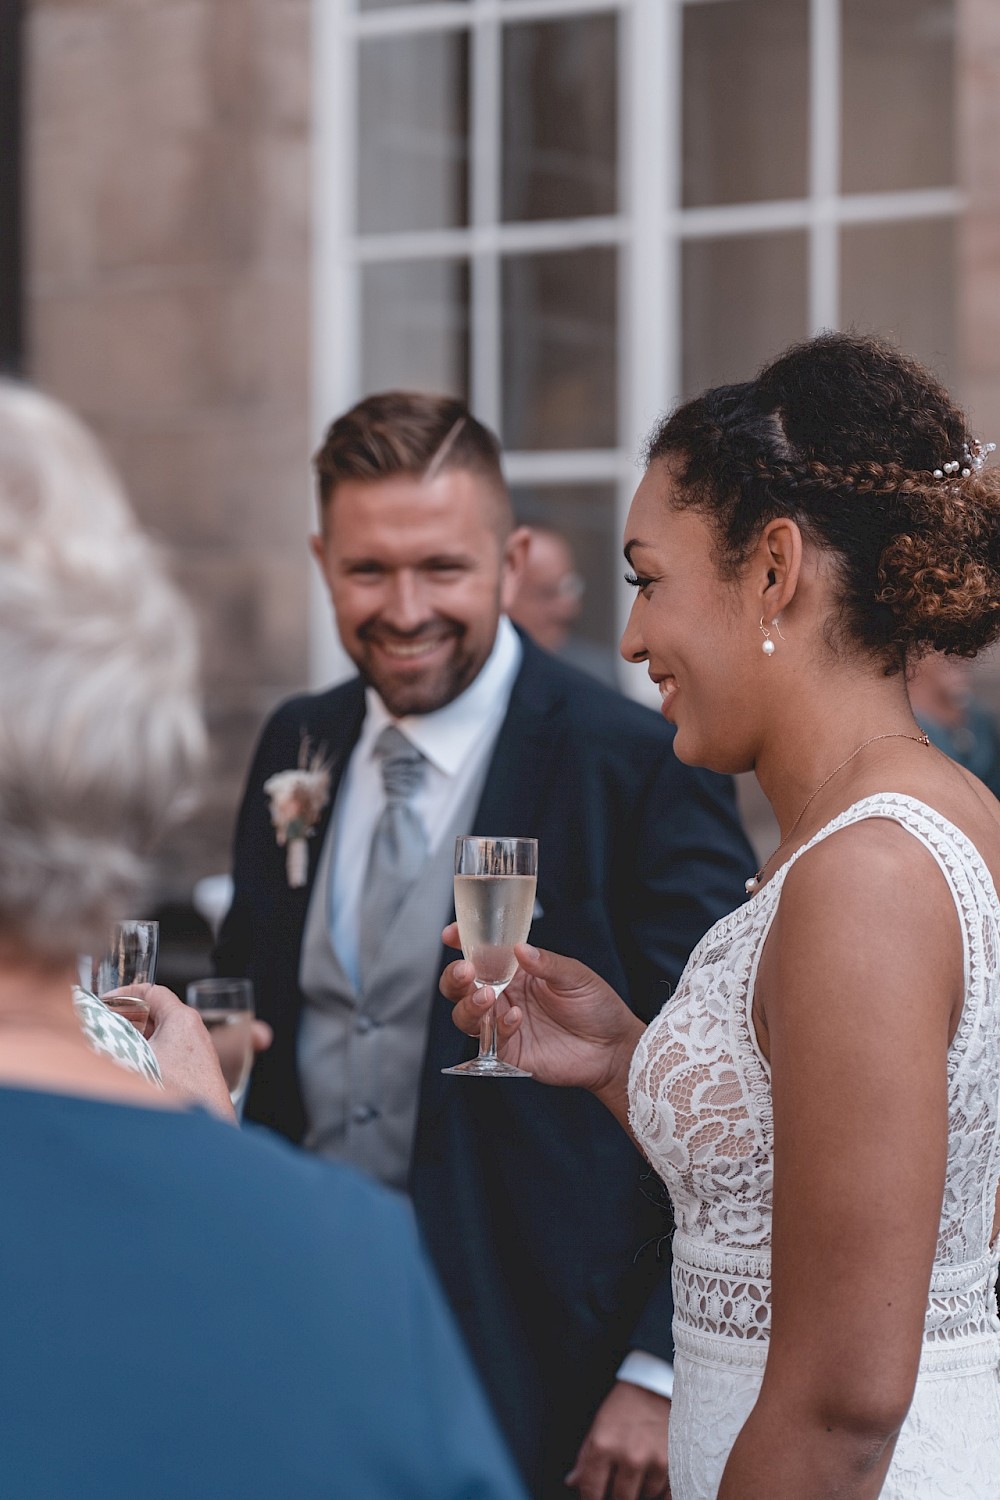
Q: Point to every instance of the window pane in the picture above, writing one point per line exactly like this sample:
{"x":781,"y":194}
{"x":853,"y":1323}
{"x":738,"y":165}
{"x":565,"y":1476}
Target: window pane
{"x":393,"y":4}
{"x":559,"y":350}
{"x":746,"y":110}
{"x":586,"y":516}
{"x":415,"y":326}
{"x":899,"y":279}
{"x":744,"y":299}
{"x":559,"y":118}
{"x":412,"y":125}
{"x":898,"y":94}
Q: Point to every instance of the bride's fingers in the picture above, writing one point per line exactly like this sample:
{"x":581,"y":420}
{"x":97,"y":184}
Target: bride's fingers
{"x":470,"y":1005}
{"x":565,"y":975}
{"x":457,"y":981}
{"x":450,"y":936}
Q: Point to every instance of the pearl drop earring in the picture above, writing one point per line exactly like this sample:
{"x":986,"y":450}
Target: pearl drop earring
{"x":767,"y":645}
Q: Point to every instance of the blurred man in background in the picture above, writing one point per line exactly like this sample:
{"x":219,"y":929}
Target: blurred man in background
{"x":548,"y":605}
{"x":549,"y":597}
{"x":955,"y":721}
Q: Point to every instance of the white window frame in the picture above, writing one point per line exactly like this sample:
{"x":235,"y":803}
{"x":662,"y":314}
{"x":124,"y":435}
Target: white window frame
{"x":651,"y":227}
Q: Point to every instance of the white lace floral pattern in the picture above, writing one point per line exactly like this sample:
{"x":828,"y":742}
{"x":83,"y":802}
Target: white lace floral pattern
{"x":700,"y":1106}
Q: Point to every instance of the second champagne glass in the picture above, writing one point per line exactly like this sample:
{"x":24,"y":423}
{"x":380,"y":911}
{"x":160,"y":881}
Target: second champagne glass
{"x":226,"y":1007}
{"x":126,"y":969}
{"x":494,"y":900}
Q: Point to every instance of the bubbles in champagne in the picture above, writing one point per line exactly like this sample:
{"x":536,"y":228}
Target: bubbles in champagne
{"x":493,"y":913}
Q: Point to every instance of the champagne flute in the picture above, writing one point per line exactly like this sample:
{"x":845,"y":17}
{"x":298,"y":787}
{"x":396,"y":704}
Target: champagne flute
{"x":121,"y":975}
{"x":494,"y":901}
{"x":226,"y":1007}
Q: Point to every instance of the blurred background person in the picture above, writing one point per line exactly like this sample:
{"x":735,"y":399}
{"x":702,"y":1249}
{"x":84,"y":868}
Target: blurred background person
{"x":549,"y":602}
{"x":187,"y":1309}
{"x":549,"y":597}
{"x":945,"y":705}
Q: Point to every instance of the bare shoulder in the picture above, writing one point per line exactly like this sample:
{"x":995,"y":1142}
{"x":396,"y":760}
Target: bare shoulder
{"x":880,"y":864}
{"x":866,"y":912}
{"x":863,"y":863}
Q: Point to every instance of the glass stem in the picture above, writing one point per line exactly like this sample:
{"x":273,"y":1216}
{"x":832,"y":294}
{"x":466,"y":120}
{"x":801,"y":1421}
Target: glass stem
{"x":488,"y":1035}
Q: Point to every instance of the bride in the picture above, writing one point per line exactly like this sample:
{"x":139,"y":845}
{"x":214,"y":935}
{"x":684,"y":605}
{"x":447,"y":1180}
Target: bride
{"x":821,"y":1094}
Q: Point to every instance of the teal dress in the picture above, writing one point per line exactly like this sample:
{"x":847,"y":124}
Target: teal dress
{"x":193,"y":1311}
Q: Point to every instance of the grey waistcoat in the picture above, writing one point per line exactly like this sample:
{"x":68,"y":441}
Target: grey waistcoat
{"x":360,"y":1056}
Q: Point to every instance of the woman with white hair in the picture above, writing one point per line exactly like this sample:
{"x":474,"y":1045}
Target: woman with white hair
{"x":186,"y":1309}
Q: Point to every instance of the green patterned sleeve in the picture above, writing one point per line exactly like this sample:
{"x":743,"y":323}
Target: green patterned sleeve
{"x":115,"y":1037}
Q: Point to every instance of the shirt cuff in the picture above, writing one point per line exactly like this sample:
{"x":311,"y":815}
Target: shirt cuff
{"x":649,"y":1371}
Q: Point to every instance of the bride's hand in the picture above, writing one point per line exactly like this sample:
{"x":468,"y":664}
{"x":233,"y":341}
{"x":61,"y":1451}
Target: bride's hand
{"x":556,"y":1019}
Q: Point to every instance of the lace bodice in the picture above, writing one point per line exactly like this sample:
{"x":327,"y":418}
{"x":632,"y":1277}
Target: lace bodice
{"x":700,"y":1107}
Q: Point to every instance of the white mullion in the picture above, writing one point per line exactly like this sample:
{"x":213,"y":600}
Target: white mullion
{"x":648,"y":180}
{"x":727,"y":219}
{"x":406,"y":20}
{"x":485,"y":329}
{"x":445,"y":15}
{"x":671,"y":81}
{"x":719,"y":220}
{"x":335,"y":290}
{"x":570,"y":466}
{"x":548,"y":10}
{"x":885,"y":208}
{"x":824,"y":163}
{"x":335,"y":352}
{"x":650,"y":81}
{"x":490,"y":238}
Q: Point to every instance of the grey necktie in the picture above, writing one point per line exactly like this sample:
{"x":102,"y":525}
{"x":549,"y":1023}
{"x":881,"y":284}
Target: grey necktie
{"x":399,"y":844}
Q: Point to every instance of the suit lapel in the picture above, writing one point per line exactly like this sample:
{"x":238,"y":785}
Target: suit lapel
{"x":524,"y":757}
{"x":333,"y":728}
{"x":336,"y":748}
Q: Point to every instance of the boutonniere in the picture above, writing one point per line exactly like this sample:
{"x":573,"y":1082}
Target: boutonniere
{"x":296,"y":800}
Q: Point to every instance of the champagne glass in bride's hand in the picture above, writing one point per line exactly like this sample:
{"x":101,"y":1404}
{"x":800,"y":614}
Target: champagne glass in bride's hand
{"x":121,"y":975}
{"x":494,"y":900}
{"x":226,"y":1007}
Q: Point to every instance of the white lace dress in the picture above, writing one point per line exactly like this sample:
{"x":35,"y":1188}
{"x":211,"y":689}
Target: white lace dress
{"x":700,"y":1106}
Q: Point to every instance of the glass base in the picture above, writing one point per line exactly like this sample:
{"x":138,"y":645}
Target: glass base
{"x":487,"y":1067}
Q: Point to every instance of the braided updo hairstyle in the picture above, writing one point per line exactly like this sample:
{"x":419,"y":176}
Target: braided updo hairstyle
{"x":843,"y":434}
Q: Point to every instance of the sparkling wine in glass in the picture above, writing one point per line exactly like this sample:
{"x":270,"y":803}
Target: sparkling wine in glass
{"x":226,"y":1007}
{"x":494,"y":900}
{"x":121,"y":975}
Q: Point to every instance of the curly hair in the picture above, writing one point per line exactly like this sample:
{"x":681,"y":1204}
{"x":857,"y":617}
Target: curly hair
{"x":850,"y":438}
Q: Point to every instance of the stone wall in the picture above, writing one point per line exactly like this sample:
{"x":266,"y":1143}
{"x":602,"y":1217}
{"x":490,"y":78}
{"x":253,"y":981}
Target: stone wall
{"x":168,"y":283}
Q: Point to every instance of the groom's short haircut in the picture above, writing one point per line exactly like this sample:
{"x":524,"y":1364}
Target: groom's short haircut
{"x":413,"y":434}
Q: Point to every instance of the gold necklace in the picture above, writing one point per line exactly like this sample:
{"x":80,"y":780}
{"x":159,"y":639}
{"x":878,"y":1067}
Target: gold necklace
{"x":754,"y":883}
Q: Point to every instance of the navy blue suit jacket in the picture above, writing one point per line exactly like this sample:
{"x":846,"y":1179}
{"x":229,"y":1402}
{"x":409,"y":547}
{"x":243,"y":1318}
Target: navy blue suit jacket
{"x":547,"y":1230}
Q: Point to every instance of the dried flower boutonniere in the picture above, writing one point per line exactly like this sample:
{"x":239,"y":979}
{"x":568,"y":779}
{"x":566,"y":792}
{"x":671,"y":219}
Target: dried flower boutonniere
{"x":296,"y":800}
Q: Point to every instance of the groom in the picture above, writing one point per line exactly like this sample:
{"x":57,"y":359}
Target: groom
{"x":546,"y":1230}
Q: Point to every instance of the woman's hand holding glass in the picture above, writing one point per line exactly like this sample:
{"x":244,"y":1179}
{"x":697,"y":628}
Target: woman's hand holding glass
{"x":557,"y":1019}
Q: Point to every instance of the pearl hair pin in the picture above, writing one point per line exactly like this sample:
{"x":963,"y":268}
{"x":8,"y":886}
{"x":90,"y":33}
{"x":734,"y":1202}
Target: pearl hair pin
{"x":753,"y":885}
{"x":974,"y":455}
